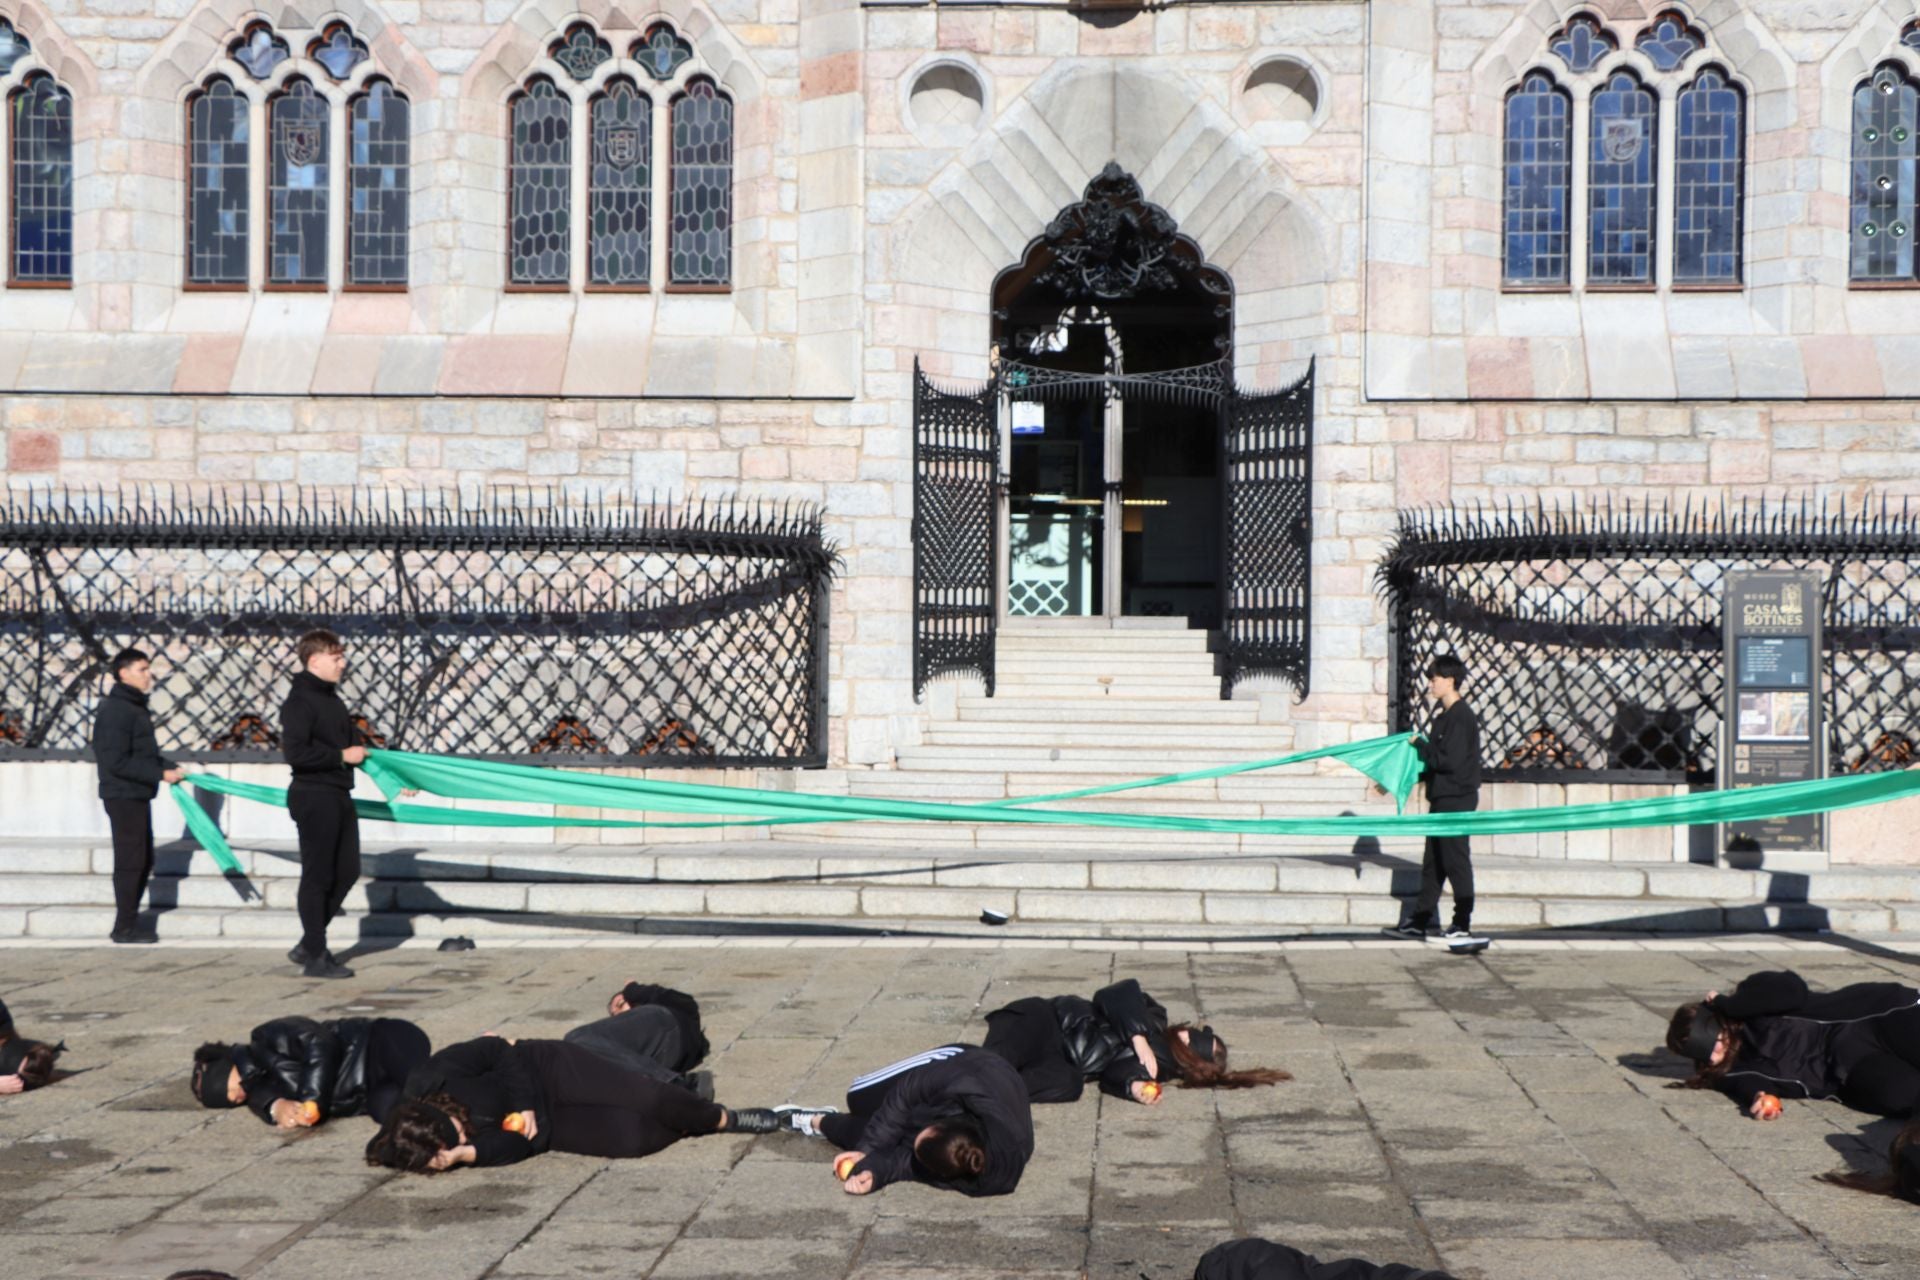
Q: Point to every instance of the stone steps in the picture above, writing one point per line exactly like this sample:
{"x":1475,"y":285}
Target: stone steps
{"x":1147,"y":714}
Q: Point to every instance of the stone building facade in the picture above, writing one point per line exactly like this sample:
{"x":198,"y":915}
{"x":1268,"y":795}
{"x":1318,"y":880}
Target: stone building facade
{"x":1341,"y":163}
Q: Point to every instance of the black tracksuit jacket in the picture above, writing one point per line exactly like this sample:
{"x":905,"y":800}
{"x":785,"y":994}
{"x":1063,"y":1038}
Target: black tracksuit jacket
{"x":125,"y":751}
{"x":1255,"y":1259}
{"x":306,"y":1061}
{"x":315,"y":730}
{"x":1793,"y":1042}
{"x":972,"y":1083}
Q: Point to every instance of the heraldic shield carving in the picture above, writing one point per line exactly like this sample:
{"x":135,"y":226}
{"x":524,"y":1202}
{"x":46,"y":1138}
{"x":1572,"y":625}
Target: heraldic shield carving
{"x":302,"y":141}
{"x":623,"y":146}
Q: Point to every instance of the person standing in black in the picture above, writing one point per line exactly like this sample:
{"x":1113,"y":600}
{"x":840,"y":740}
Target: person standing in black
{"x":131,"y":768}
{"x":317,"y":740}
{"x":1451,"y":753}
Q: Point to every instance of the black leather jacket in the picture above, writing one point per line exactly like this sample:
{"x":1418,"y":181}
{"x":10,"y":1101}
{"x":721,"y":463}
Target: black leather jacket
{"x":306,"y":1061}
{"x":125,"y":752}
{"x":1098,"y":1035}
{"x":1795,"y":1043}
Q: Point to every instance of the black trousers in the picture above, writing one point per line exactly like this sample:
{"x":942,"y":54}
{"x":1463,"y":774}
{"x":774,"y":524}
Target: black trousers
{"x":1450,"y":859}
{"x":132,"y":824}
{"x":394,"y":1048}
{"x":599,"y":1108}
{"x":633,"y":1040}
{"x":1027,"y":1034}
{"x":1878,"y":1063}
{"x":329,"y":857}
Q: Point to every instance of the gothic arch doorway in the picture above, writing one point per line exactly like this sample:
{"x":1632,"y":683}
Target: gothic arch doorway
{"x":1111,"y":467}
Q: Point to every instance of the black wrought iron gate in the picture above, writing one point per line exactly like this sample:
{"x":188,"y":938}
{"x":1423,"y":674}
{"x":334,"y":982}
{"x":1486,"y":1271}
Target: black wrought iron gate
{"x":956,"y":522}
{"x":1266,"y":607}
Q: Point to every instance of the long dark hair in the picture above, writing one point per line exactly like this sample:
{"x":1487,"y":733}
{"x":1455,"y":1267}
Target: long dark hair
{"x":1196,"y":1072}
{"x":416,"y":1131}
{"x":955,"y":1151}
{"x":1902,"y":1178}
{"x":1680,"y":1030}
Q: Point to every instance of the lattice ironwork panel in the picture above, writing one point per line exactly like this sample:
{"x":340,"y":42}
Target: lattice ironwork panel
{"x":524,"y":628}
{"x":956,"y":462}
{"x":1268,"y":602}
{"x":1593,"y":640}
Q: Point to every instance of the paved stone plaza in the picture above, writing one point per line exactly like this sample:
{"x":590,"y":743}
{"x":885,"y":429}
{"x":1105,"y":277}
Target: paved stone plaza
{"x":1504,"y":1118}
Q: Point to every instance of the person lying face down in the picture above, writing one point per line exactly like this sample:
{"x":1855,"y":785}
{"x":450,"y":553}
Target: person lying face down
{"x":1772,"y":1038}
{"x":494,"y":1101}
{"x":24,"y":1064}
{"x":1119,"y":1038}
{"x":295,"y":1072}
{"x":1256,"y":1259}
{"x":956,"y":1117}
{"x":651,"y":1029}
{"x":1902,"y":1177}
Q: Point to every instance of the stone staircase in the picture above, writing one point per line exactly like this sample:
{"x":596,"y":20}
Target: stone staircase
{"x":1082,"y":703}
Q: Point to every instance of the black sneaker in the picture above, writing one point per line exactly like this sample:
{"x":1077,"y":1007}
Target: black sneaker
{"x":752,"y":1120}
{"x":325,"y":966}
{"x":135,"y":936}
{"x":1405,"y":929}
{"x":299,"y":953}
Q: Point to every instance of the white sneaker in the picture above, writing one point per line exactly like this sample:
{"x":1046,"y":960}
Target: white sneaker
{"x":804,"y":1119}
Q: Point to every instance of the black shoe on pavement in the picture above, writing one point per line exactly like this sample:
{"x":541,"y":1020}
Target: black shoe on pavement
{"x":325,"y":966}
{"x":1405,"y":930}
{"x":135,"y":936}
{"x":299,"y":953}
{"x":753,"y":1120}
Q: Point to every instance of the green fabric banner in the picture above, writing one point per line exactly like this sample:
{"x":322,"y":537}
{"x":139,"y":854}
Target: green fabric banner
{"x":1391,"y":761}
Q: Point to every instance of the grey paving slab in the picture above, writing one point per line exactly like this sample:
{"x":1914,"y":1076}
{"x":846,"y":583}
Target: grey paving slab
{"x":1509,"y":1118}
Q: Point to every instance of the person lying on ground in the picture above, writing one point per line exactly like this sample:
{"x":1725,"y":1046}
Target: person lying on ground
{"x":1119,"y":1038}
{"x":1771,"y":1038}
{"x":495,"y":1101}
{"x":295,"y":1072}
{"x":1256,"y":1259}
{"x":1902,"y":1177}
{"x":956,"y":1117}
{"x":651,"y":1029}
{"x":24,"y":1063}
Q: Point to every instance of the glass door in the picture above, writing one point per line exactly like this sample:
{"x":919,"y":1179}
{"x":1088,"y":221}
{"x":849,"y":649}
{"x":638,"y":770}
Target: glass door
{"x":1057,"y":523}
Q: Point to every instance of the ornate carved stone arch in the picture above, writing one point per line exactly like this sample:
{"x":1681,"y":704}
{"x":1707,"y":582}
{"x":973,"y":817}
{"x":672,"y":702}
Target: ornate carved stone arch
{"x":177,"y":65}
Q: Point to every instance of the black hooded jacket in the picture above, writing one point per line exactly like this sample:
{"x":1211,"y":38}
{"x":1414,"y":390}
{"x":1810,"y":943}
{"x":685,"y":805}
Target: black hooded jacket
{"x":973,"y":1083}
{"x":1098,"y":1035}
{"x":1255,"y":1259}
{"x":491,"y":1079}
{"x":689,"y":1048}
{"x":315,"y":731}
{"x":1793,"y":1043}
{"x":306,"y":1061}
{"x":125,"y":751}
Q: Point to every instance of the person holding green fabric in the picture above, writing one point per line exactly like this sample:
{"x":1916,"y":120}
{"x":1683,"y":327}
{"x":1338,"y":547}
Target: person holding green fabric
{"x":1451,"y":754}
{"x":317,"y":738}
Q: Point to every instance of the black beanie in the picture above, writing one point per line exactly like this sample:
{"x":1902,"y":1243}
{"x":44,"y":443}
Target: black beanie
{"x":210,"y":1085}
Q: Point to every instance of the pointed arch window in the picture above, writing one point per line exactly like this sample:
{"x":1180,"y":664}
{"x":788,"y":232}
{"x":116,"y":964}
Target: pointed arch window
{"x":1709,"y":137}
{"x":41,"y":130}
{"x":380,"y":179}
{"x":13,"y":46}
{"x":701,"y":248}
{"x":300,"y":177}
{"x":1539,"y":177}
{"x":219,"y":129}
{"x":620,"y":188}
{"x":1621,"y":162}
{"x":542,"y":185}
{"x":1886,"y":127}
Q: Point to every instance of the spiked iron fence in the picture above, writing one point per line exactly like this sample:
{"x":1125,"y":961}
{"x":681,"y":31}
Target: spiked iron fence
{"x":518,"y":627}
{"x":1592,"y":637}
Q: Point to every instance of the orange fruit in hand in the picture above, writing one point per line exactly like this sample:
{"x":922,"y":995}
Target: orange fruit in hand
{"x":516,"y":1122}
{"x":843,"y":1165}
{"x":1770,"y":1107}
{"x":1149,"y":1091}
{"x":310,"y":1112}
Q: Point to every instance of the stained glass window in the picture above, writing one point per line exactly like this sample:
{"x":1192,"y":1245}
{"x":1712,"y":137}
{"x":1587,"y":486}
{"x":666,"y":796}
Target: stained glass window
{"x":259,"y":51}
{"x":1669,"y":41}
{"x":1620,"y":183}
{"x":1709,"y":135}
{"x":217,"y":134}
{"x":542,"y":185}
{"x":701,"y":249}
{"x":1884,"y":129}
{"x":338,"y":50}
{"x":1539,"y":177}
{"x":580,"y":51}
{"x":620,"y":192}
{"x":377,"y":221}
{"x":661,"y":51}
{"x":42,"y":182}
{"x":1582,"y":43}
{"x":298,"y":186}
{"x":13,"y":46}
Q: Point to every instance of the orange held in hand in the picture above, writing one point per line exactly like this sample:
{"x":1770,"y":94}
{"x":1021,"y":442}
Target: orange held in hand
{"x":1150,"y":1091}
{"x":310,"y":1112}
{"x":516,"y":1122}
{"x":843,"y":1165}
{"x":1767,"y":1107}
